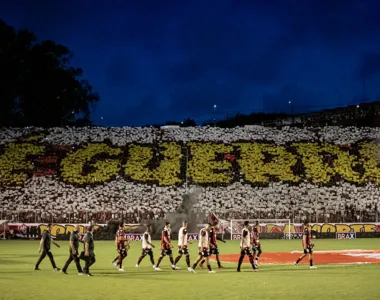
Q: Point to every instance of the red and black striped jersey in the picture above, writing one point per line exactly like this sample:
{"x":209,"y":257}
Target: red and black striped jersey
{"x":121,"y":238}
{"x":212,"y":237}
{"x":307,"y":234}
{"x":165,"y":234}
{"x":255,"y":233}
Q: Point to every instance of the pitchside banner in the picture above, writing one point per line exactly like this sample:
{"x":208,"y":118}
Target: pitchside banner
{"x":293,"y":236}
{"x":33,"y":230}
{"x":346,"y":235}
{"x":287,"y":236}
{"x":138,"y":236}
{"x":295,"y":228}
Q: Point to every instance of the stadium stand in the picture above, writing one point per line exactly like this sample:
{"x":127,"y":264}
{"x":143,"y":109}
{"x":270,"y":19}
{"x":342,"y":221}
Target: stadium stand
{"x":326,"y":174}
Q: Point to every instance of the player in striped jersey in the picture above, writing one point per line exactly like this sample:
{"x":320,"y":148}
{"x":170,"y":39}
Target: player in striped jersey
{"x":146,"y":247}
{"x":256,"y":245}
{"x":214,"y":250}
{"x":245,"y":247}
{"x":307,"y":246}
{"x":122,"y":245}
{"x":166,"y":247}
{"x":203,"y":247}
{"x":182,"y":246}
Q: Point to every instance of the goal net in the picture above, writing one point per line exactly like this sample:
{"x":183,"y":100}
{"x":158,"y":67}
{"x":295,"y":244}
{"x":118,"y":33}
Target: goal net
{"x":281,"y":226}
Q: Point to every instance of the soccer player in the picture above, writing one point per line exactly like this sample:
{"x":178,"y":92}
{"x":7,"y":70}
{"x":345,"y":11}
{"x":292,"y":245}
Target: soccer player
{"x":89,"y":254}
{"x":256,"y":245}
{"x":146,"y":247}
{"x":122,"y":245}
{"x":73,"y":250}
{"x":203,"y":247}
{"x":166,"y":247}
{"x":182,"y":246}
{"x":214,"y":250}
{"x":45,"y":244}
{"x":307,"y":246}
{"x":245,"y":247}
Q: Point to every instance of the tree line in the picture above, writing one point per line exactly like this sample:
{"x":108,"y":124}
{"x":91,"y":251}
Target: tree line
{"x":38,"y":86}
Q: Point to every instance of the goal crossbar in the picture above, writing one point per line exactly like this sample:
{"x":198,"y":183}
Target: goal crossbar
{"x":262,"y":222}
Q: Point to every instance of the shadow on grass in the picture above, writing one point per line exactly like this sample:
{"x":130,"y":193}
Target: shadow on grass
{"x":24,"y":255}
{"x":8,"y":262}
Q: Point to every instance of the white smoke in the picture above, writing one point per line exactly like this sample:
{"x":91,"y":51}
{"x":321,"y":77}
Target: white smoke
{"x":183,"y":213}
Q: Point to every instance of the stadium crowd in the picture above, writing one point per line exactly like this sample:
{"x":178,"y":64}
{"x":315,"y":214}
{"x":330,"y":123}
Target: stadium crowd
{"x":325,"y":174}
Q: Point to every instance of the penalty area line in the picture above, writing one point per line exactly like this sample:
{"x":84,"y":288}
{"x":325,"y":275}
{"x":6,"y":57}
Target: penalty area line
{"x":338,"y":251}
{"x":292,"y":264}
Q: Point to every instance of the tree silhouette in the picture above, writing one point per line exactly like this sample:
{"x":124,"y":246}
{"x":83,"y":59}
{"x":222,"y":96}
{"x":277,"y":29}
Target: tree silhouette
{"x":38,"y":87}
{"x":188,"y":123}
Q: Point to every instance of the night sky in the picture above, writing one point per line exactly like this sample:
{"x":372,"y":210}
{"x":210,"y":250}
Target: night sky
{"x":154,"y":61}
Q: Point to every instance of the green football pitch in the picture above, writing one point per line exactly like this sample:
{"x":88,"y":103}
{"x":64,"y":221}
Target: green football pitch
{"x":19,"y":281}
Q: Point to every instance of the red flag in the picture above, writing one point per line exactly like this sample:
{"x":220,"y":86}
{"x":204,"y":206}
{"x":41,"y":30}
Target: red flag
{"x":212,"y":218}
{"x":229,"y":157}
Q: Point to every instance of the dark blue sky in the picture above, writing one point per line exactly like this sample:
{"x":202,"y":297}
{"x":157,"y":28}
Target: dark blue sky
{"x":153,"y":61}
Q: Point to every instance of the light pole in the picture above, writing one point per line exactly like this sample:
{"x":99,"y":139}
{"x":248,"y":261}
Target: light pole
{"x":187,"y":167}
{"x":292,"y":110}
{"x":215,"y":106}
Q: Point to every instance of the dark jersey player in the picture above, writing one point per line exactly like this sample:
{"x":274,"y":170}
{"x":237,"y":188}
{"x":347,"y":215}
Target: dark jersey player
{"x":214,"y":250}
{"x":256,"y":245}
{"x":73,"y":251}
{"x":44,"y":249}
{"x":88,"y":255}
{"x":307,"y":246}
{"x":166,"y":247}
{"x":122,"y":246}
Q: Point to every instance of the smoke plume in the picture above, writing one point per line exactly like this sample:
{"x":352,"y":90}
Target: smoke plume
{"x":183,"y":213}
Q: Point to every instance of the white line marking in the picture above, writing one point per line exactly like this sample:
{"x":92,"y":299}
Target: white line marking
{"x":339,"y":251}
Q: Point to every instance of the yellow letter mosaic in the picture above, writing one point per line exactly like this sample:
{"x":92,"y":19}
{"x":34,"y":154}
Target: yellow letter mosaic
{"x":207,"y":163}
{"x":256,"y":171}
{"x":15,"y":162}
{"x":105,"y":169}
{"x":204,"y":168}
{"x":168,"y":172}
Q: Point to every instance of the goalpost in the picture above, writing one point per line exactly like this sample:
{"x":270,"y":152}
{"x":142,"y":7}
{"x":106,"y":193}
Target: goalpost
{"x":282,"y":225}
{"x":3,"y":229}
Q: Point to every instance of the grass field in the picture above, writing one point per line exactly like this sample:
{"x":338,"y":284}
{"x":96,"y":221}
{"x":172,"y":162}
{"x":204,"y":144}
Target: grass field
{"x":19,"y":281}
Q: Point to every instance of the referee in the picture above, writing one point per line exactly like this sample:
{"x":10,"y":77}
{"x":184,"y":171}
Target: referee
{"x":45,"y":244}
{"x":73,"y":251}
